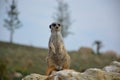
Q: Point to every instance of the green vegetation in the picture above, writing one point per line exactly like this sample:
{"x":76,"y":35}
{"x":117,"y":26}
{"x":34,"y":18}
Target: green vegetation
{"x":28,"y":59}
{"x":3,"y":70}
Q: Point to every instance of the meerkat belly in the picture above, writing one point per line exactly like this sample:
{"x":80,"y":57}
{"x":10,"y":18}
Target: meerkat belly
{"x":58,"y":59}
{"x":57,"y":42}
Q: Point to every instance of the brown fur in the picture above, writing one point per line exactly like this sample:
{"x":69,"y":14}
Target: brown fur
{"x":57,"y":59}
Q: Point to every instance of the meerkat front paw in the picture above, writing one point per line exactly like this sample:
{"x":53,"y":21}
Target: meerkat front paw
{"x":53,"y":51}
{"x":59,"y":68}
{"x":52,"y":48}
{"x":61,"y":48}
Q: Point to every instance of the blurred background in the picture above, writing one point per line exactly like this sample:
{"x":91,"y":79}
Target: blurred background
{"x":90,"y":31}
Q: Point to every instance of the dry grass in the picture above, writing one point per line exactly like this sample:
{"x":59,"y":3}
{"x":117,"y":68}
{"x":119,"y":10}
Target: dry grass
{"x":28,"y":59}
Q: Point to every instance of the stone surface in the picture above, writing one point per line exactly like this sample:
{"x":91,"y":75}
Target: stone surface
{"x":111,"y":73}
{"x":113,"y":67}
{"x":35,"y":76}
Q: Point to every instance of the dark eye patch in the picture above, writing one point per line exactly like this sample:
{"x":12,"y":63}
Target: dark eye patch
{"x":54,"y":24}
{"x":58,"y":24}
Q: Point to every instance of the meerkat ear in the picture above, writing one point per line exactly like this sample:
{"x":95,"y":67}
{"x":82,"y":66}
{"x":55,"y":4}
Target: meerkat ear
{"x":50,"y":26}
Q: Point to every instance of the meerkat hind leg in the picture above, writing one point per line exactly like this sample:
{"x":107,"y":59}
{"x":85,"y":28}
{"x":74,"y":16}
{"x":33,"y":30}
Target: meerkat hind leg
{"x":50,"y":69}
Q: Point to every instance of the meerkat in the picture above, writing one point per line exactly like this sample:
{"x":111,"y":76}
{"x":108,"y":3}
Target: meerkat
{"x":58,"y":58}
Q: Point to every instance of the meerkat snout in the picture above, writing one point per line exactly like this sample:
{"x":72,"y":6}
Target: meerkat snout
{"x":56,"y":27}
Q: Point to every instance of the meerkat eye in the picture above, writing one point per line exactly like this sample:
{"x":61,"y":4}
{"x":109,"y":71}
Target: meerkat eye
{"x":53,"y":24}
{"x":59,"y":25}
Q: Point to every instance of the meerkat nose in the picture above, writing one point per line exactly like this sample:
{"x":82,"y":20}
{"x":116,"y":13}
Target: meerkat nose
{"x":57,"y":27}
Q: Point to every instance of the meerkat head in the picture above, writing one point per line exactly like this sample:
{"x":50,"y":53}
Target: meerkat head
{"x":55,"y":27}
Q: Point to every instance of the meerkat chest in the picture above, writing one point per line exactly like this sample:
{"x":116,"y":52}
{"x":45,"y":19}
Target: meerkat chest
{"x":56,"y":39}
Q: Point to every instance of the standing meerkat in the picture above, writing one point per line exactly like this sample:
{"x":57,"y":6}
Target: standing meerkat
{"x":58,"y":58}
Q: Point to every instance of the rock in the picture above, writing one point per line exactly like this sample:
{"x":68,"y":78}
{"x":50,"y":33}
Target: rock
{"x":90,"y":74}
{"x":98,"y":74}
{"x":113,"y":67}
{"x":35,"y":76}
{"x":116,"y":63}
{"x":64,"y":75}
{"x":17,"y":74}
